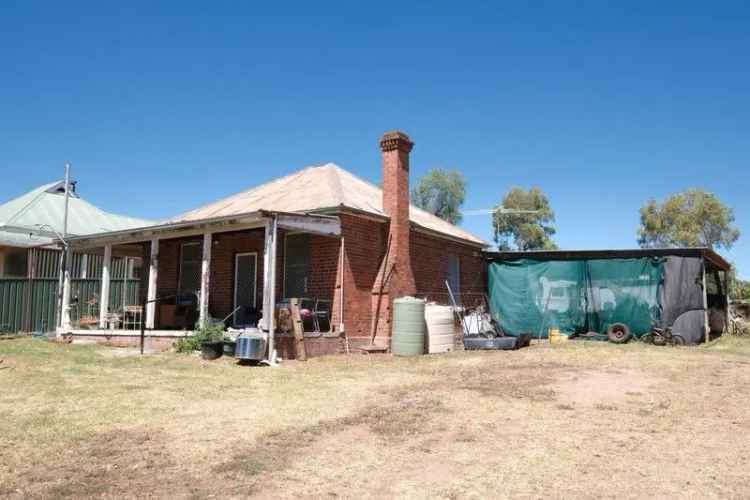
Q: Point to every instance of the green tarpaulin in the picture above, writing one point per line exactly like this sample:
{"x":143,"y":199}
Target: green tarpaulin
{"x":579,"y":295}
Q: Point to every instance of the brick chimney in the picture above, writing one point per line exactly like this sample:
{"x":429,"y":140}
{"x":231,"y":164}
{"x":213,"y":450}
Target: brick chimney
{"x":396,"y":147}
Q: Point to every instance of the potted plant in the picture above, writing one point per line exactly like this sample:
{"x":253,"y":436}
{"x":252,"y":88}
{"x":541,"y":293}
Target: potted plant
{"x":211,"y":341}
{"x":208,"y":339}
{"x":230,"y":345}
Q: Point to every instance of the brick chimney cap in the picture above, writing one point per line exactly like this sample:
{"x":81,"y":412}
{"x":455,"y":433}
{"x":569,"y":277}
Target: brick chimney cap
{"x":395,"y":139}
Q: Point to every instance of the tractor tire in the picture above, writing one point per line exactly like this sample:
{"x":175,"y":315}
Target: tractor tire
{"x":619,"y":333}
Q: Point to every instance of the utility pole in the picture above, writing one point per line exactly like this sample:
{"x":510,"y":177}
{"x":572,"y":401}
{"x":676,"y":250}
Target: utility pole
{"x":65,"y":263}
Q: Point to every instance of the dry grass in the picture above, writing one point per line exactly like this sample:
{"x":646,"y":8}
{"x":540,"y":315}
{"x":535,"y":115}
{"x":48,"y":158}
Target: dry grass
{"x":586,"y":420}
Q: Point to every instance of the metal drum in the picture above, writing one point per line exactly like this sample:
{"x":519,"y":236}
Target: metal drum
{"x":251,"y":346}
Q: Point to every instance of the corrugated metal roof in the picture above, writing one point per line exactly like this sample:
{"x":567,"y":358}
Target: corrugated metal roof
{"x":46,"y":205}
{"x":704,"y":252}
{"x":314,"y":189}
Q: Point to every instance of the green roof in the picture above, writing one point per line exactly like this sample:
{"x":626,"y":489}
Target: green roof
{"x":21,"y":218}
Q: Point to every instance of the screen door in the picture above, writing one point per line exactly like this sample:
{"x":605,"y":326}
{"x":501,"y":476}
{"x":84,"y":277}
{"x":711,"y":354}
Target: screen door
{"x":245,"y":279}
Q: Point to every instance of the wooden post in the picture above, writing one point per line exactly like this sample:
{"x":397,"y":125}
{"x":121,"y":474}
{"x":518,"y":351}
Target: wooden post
{"x":60,"y":285}
{"x":205,"y":280}
{"x":104,"y":298}
{"x":142,"y":342}
{"x":342,"y":275}
{"x":266,"y":324}
{"x":272,"y":298}
{"x":706,"y":327}
{"x":299,"y":333}
{"x":31,"y":266}
{"x":269,"y":283}
{"x":153,"y":271}
{"x":124,"y":297}
{"x":724,"y":290}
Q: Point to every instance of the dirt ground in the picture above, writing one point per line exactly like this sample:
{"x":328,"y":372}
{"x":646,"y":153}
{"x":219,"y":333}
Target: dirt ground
{"x":585,"y":420}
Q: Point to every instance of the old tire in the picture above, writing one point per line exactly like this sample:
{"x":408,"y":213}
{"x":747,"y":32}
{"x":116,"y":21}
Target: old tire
{"x":678,"y":340}
{"x":619,"y":333}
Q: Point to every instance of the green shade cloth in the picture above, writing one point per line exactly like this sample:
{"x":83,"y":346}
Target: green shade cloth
{"x":579,"y":295}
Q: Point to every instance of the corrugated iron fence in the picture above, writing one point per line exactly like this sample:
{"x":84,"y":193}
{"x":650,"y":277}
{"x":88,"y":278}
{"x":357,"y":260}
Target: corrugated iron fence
{"x":29,"y":304}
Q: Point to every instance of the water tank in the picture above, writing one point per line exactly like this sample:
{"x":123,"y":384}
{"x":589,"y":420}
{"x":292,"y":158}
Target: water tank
{"x":439,"y":321}
{"x":408,"y":327}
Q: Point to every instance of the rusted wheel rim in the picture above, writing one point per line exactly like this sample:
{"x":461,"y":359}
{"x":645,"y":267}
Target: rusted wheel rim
{"x":618,"y":332}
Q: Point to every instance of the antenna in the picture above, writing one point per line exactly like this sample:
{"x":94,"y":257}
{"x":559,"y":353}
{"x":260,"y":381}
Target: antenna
{"x":501,"y":210}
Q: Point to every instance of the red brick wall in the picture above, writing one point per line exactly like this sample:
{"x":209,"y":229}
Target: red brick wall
{"x":364,"y":245}
{"x":226,"y":247}
{"x":430,"y":256}
{"x":364,"y":242}
{"x":221,"y":285}
{"x":169,"y":265}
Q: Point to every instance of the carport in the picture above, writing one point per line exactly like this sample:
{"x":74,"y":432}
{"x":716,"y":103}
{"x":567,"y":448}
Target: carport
{"x":583,"y":291}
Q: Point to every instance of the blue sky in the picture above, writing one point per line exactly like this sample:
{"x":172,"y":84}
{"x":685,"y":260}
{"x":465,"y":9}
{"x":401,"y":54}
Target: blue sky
{"x":601,"y":104}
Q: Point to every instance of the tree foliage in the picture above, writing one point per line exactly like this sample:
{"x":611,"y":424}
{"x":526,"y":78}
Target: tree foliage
{"x":441,"y":192}
{"x":738,"y":289}
{"x":525,"y":231}
{"x":692,"y":218}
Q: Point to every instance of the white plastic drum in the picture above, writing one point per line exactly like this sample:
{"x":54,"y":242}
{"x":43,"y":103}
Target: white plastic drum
{"x":439,"y":320}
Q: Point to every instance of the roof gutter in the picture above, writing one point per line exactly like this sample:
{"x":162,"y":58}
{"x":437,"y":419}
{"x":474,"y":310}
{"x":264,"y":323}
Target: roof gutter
{"x":30,"y":230}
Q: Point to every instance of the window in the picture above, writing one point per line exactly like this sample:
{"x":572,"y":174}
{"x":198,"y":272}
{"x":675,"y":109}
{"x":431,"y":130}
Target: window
{"x":296,"y":264}
{"x":14,"y":263}
{"x":190,"y":267}
{"x":454,"y":274}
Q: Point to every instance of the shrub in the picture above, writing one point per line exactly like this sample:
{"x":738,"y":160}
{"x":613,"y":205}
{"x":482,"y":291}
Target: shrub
{"x":742,"y":328}
{"x":212,"y":333}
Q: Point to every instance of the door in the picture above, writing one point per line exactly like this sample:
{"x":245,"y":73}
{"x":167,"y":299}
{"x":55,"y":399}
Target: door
{"x":245,"y":279}
{"x":296,"y":264}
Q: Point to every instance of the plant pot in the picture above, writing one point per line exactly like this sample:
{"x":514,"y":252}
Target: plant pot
{"x":212,"y":350}
{"x":229,"y":347}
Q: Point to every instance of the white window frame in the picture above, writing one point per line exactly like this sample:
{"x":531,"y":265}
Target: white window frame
{"x":255,"y":280}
